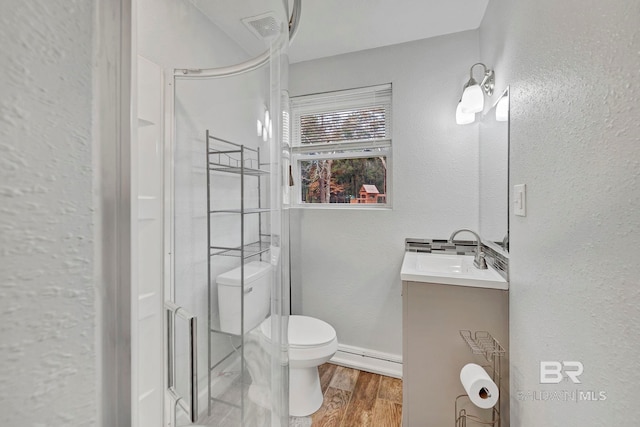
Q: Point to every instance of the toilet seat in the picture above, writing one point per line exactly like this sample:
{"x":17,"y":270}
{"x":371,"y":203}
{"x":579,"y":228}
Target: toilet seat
{"x":304,"y":332}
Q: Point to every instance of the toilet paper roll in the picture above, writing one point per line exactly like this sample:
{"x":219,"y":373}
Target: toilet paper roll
{"x":481,"y":389}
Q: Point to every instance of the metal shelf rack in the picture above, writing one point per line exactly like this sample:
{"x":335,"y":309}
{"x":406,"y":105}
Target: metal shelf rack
{"x":226,"y":157}
{"x":481,"y":343}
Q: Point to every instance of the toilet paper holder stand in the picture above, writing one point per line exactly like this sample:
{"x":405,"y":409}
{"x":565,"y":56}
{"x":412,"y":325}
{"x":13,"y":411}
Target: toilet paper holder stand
{"x":481,"y":343}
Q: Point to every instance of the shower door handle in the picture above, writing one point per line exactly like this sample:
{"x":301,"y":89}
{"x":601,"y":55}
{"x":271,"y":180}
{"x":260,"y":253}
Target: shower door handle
{"x":174,"y":311}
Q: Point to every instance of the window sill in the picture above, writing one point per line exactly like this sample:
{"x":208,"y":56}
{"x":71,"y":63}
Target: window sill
{"x":343,"y":207}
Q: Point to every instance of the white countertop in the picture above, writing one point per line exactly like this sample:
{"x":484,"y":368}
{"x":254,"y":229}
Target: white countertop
{"x":449,"y":269}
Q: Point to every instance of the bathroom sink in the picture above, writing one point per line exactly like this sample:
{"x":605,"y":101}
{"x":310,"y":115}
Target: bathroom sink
{"x":449,"y":269}
{"x":448,"y":264}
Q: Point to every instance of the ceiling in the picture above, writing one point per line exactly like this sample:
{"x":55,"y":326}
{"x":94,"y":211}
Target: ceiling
{"x":333,"y":27}
{"x":228,"y":15}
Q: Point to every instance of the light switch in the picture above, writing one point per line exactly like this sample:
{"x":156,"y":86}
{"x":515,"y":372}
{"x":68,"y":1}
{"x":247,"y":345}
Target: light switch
{"x":520,"y":200}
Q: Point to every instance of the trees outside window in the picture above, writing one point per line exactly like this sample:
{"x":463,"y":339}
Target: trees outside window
{"x":342,"y":144}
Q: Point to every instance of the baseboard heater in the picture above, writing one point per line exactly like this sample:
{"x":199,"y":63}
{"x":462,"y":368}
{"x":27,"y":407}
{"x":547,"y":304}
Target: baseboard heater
{"x":368,"y":360}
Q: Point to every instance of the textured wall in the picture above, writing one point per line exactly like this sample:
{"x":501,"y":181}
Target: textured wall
{"x":47,"y":357}
{"x":575,"y":295}
{"x":346,"y":263}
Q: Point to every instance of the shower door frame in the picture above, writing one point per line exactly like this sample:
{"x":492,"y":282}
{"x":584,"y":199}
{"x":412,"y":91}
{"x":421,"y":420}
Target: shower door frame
{"x":115,"y":50}
{"x":172,"y":399}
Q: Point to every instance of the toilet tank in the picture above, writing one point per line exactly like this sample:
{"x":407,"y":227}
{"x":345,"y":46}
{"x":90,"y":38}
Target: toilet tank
{"x":257,"y":296}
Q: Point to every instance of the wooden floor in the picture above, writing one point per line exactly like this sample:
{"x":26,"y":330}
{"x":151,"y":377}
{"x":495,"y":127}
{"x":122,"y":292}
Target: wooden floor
{"x":355,"y":398}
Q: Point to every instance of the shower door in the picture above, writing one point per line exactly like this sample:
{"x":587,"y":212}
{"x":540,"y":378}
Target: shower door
{"x":216,"y":377}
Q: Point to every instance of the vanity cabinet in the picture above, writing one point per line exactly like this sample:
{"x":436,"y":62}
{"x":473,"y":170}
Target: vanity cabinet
{"x":434,"y":352}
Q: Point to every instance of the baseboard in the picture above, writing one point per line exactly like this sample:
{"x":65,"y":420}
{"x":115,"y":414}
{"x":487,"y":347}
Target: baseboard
{"x":367,"y":360}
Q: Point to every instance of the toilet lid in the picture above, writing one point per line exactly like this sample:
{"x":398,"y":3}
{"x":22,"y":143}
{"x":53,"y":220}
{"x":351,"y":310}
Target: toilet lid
{"x":304,"y":331}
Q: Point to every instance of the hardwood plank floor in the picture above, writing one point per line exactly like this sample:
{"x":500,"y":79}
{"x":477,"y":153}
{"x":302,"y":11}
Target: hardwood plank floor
{"x":326,"y":372}
{"x":333,"y":408}
{"x":391,"y":389}
{"x":344,"y":378}
{"x":354,"y":398}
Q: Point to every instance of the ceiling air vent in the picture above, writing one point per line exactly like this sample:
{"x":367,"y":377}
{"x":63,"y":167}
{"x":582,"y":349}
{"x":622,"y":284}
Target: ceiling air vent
{"x":263,"y":26}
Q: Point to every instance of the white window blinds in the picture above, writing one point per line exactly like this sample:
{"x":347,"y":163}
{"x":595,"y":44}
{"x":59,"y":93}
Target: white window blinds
{"x":346,"y":116}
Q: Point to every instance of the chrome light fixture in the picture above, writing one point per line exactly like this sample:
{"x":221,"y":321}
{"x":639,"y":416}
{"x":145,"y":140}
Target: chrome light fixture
{"x":473,"y":93}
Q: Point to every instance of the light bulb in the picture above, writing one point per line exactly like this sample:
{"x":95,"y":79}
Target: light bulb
{"x":464,"y":118}
{"x":472,"y":99}
{"x":259,"y":128}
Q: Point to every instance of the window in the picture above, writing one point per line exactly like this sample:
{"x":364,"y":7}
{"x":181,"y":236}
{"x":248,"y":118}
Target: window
{"x":342,"y":148}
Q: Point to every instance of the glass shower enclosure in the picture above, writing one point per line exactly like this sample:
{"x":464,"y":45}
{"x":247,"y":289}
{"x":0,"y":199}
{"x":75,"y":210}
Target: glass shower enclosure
{"x":228,"y":157}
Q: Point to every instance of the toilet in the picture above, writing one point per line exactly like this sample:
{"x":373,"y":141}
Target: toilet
{"x":312,"y":341}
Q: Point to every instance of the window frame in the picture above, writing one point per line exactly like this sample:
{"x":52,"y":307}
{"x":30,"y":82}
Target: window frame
{"x":346,"y":149}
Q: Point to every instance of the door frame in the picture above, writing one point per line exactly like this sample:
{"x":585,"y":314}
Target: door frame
{"x":112,"y":164}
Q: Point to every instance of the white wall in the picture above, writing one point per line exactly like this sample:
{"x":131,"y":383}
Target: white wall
{"x":48,"y":309}
{"x":346,"y":263}
{"x":175,"y":34}
{"x":575,"y":295}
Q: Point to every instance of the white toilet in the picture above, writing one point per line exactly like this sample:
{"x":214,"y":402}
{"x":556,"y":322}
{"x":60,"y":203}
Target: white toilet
{"x":312,"y":342}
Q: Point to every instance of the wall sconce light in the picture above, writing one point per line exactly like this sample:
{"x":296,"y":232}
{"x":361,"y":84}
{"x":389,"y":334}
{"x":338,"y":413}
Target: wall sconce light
{"x":464,"y":118}
{"x":473,"y":95}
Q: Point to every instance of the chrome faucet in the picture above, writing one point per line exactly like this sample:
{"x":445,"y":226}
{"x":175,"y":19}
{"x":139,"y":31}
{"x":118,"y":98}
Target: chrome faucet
{"x":478,"y":260}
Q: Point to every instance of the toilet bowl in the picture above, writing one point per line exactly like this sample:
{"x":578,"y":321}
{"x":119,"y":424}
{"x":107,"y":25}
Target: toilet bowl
{"x":312,"y":342}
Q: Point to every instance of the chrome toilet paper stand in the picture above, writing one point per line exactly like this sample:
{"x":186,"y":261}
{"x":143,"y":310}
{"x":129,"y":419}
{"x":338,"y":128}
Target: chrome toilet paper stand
{"x":483,"y":344}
